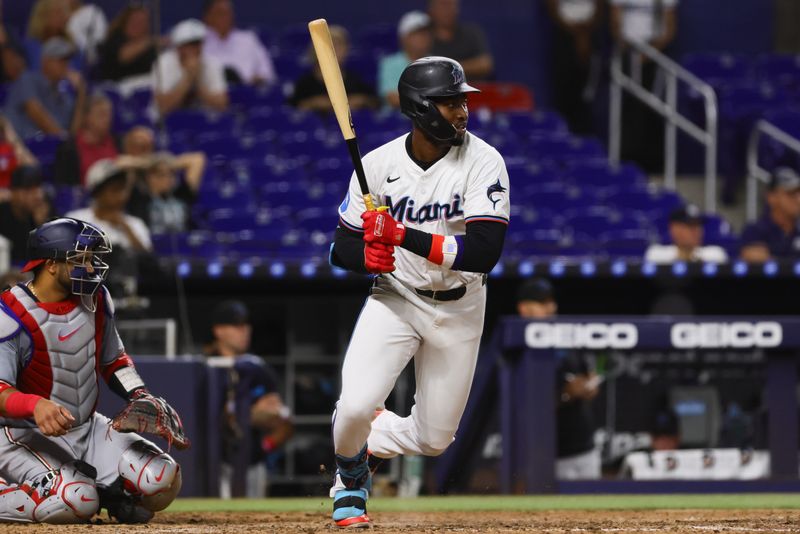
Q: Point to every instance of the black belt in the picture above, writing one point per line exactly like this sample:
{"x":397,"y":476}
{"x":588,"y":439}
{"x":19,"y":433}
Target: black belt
{"x":448,"y":294}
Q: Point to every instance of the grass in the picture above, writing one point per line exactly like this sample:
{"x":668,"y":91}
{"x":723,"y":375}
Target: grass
{"x":498,"y":502}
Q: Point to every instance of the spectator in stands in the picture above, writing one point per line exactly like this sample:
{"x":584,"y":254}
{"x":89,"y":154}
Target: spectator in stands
{"x":93,"y":142}
{"x":686,"y":234}
{"x":13,"y":153}
{"x":252,"y":396}
{"x":139,"y":141}
{"x":464,"y":42}
{"x":309,"y":90}
{"x":109,"y":186}
{"x":161,"y":199}
{"x":27,"y":208}
{"x":48,"y":19}
{"x":87,"y":26}
{"x":13,"y":58}
{"x":649,"y":21}
{"x":39,"y":102}
{"x":129,"y":50}
{"x":776,"y":233}
{"x":184,"y":78}
{"x":575,"y":22}
{"x":653,"y":22}
{"x":8,"y":158}
{"x":414,"y":35}
{"x":578,"y":458}
{"x":245,"y":58}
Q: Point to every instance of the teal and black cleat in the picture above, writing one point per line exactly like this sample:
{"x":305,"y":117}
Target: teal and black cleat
{"x":350,"y":508}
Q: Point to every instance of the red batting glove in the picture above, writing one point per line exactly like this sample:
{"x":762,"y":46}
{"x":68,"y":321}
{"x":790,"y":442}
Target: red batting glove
{"x":380,"y":227}
{"x":378,"y":258}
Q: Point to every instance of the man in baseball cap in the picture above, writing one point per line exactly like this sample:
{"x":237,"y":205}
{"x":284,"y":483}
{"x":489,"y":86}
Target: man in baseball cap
{"x":36,"y":101}
{"x":776,"y":234}
{"x":414,"y":35}
{"x":578,"y":383}
{"x":109,"y":187}
{"x":536,"y":299}
{"x":184,"y":78}
{"x":686,"y":233}
{"x":252,"y":389}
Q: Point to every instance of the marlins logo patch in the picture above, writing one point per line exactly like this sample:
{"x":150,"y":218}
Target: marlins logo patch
{"x":492,"y":189}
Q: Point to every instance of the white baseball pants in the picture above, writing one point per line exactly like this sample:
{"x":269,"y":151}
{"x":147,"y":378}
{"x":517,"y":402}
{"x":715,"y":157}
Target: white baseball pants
{"x":395,"y":325}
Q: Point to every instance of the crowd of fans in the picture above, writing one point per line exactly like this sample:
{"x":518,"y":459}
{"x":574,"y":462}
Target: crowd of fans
{"x":57,"y":78}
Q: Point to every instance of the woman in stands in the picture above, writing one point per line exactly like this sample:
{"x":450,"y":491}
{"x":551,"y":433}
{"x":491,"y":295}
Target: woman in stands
{"x":128,"y":53}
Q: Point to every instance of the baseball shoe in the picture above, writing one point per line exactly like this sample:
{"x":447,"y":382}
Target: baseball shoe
{"x":122,"y":505}
{"x":350,"y":509}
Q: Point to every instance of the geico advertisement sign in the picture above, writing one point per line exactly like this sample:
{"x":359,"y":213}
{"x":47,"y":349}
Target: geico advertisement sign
{"x":736,"y":335}
{"x":739,"y":335}
{"x":581,"y":336}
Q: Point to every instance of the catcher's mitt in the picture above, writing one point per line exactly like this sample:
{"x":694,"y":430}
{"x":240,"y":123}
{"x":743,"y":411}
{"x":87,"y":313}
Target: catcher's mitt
{"x":153,"y":415}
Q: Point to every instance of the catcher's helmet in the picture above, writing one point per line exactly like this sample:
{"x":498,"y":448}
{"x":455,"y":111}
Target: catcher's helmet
{"x":71,"y":240}
{"x":427,"y":78}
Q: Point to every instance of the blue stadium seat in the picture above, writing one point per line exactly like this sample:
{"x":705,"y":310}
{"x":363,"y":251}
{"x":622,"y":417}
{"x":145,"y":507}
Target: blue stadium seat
{"x":628,"y":243}
{"x":544,"y":242}
{"x":526,"y":123}
{"x":291,"y":66}
{"x":626,"y":175}
{"x":364,"y":65}
{"x":322,"y":219}
{"x":294,"y":37}
{"x":590,"y":224}
{"x":778,"y":68}
{"x":378,"y":38}
{"x":715,"y":68}
{"x":199,"y":121}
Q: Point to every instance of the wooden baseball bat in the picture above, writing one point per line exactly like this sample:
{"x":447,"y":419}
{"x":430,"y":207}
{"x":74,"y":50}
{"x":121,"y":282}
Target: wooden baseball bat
{"x":332,"y":75}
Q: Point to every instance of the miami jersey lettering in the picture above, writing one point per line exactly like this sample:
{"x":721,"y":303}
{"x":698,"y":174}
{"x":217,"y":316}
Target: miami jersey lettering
{"x":469,"y":183}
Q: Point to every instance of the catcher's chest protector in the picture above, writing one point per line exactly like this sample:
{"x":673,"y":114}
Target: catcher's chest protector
{"x":62,"y":364}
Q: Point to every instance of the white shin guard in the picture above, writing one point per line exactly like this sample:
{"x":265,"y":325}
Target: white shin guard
{"x":153,"y":474}
{"x":70,"y":497}
{"x":16,"y":506}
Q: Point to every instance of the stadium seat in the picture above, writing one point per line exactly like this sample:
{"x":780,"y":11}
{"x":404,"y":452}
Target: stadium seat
{"x":378,"y":38}
{"x":526,"y":123}
{"x":715,"y":68}
{"x":199,"y":121}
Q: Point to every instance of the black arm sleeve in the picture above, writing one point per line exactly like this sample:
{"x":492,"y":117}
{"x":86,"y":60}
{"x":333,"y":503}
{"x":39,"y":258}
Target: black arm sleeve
{"x":348,"y":251}
{"x":478,"y":251}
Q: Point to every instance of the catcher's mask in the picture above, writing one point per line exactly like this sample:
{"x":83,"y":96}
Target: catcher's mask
{"x":81,"y":245}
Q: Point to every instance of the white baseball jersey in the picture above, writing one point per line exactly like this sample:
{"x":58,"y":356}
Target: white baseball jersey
{"x":470,"y":183}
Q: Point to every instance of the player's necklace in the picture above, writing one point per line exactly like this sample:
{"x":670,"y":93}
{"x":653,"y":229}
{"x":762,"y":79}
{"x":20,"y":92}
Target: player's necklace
{"x":33,"y":291}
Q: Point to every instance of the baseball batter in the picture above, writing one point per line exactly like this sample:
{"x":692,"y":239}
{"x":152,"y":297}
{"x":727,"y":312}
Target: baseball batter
{"x":446,"y":194}
{"x":60,"y":461}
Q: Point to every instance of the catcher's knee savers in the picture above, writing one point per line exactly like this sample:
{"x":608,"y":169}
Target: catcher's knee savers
{"x":151,"y":473}
{"x":68,"y":495}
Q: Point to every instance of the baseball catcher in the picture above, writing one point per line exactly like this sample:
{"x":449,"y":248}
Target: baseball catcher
{"x":60,"y":460}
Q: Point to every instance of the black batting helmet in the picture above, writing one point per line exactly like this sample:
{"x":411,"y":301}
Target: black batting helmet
{"x":426,"y":78}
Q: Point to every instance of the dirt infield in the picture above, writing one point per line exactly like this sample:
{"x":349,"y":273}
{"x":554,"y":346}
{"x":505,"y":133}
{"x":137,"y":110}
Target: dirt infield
{"x":674,"y":521}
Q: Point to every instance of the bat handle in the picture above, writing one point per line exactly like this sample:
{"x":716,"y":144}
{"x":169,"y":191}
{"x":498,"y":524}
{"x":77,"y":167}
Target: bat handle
{"x":368,"y":202}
